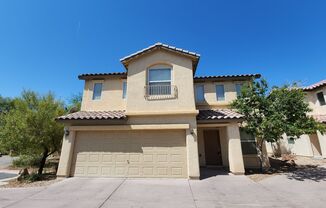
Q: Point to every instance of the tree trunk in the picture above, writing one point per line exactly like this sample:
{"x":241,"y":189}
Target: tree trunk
{"x":43,"y":160}
{"x":260,"y":153}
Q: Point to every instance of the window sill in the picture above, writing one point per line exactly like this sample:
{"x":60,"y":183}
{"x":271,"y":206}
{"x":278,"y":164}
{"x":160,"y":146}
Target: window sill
{"x":160,"y":97}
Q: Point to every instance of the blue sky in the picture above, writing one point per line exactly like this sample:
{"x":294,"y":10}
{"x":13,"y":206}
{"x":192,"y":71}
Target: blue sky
{"x":45,"y":44}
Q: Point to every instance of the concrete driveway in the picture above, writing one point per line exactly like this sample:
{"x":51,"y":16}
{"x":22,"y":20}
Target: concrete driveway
{"x":5,"y":161}
{"x":218,"y":191}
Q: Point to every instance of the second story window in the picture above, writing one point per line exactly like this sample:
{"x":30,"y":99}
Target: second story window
{"x":124,"y":90}
{"x":321,"y":98}
{"x":220,"y":93}
{"x":159,"y":81}
{"x":238,"y":88}
{"x":199,"y":90}
{"x":97,"y":91}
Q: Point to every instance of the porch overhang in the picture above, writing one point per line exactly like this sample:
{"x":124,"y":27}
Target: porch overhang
{"x":218,"y":116}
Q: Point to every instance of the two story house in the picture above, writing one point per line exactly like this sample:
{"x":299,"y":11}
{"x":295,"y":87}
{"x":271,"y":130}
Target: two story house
{"x":156,"y":120}
{"x":307,"y":145}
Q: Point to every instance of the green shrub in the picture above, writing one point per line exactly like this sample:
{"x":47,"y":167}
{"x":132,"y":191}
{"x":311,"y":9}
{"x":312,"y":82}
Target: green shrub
{"x":26,"y":161}
{"x":33,"y":177}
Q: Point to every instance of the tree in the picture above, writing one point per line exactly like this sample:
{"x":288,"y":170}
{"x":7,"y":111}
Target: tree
{"x":5,"y":104}
{"x":30,"y":127}
{"x":269,"y":114}
{"x":74,"y":104}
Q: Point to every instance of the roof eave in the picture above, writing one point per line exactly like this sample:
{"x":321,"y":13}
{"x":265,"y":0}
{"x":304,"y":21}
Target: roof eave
{"x":102,"y":76}
{"x":227,"y":120}
{"x":194,"y":56}
{"x":233,"y":78}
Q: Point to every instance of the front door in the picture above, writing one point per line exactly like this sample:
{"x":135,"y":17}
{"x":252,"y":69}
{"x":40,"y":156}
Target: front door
{"x":213,"y":153}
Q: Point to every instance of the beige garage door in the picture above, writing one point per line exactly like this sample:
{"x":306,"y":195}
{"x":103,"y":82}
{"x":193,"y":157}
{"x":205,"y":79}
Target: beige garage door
{"x":130,"y":154}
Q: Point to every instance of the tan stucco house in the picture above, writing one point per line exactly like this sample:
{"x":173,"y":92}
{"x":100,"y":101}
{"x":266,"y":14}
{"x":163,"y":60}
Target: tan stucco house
{"x":307,"y":145}
{"x":156,"y":120}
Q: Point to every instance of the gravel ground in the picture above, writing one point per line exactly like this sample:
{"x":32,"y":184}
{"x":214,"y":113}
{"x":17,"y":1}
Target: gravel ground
{"x":280,"y":167}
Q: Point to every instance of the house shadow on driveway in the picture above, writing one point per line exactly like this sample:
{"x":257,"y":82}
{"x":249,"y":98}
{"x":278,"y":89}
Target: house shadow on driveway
{"x":208,"y":172}
{"x":308,"y":172}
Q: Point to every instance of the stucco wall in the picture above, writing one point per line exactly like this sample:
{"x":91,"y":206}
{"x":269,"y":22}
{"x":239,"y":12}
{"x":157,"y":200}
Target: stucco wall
{"x":301,"y":146}
{"x":311,"y":97}
{"x":210,"y":94}
{"x":182,"y":77}
{"x":111,"y":98}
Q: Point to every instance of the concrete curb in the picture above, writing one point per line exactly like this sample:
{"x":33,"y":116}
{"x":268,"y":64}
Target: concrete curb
{"x":6,"y":180}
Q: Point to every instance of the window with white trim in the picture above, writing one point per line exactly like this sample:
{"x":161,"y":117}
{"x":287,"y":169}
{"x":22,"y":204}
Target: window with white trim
{"x":97,"y":91}
{"x":124,"y":89}
{"x":220,"y":93}
{"x":200,"y":93}
{"x":159,"y":81}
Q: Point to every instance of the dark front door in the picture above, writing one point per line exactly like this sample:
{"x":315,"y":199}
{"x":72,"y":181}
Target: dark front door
{"x":213,"y":153}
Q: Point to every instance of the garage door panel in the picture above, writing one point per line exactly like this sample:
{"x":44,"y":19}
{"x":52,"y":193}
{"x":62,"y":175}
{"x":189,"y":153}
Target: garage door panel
{"x":107,"y":158}
{"x":130,"y":154}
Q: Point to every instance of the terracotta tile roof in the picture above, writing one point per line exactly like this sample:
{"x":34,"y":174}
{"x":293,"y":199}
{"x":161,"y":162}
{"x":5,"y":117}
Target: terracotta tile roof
{"x":320,"y":118}
{"x":315,"y":86}
{"x":94,"y":115}
{"x":195,"y":56}
{"x":159,"y":45}
{"x":227,"y":76}
{"x":98,"y":75}
{"x":218,"y":114}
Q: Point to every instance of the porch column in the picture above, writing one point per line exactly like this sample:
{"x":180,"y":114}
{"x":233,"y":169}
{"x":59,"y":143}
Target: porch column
{"x":235,"y":152}
{"x":192,"y":153}
{"x":66,"y":154}
{"x":322,"y":143}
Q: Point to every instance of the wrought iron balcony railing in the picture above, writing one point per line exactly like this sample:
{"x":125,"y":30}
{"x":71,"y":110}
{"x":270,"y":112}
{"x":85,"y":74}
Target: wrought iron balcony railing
{"x":160,"y":92}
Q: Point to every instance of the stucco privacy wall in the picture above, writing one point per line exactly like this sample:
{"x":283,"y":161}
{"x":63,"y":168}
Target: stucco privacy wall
{"x":322,"y":142}
{"x":182,"y":77}
{"x":303,"y":146}
{"x":111,"y":98}
{"x":211,"y":101}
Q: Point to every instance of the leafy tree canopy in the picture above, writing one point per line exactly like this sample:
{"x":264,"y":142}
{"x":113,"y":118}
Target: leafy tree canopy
{"x":270,"y":113}
{"x":5,"y":104}
{"x":30,"y":126}
{"x":74,"y":103}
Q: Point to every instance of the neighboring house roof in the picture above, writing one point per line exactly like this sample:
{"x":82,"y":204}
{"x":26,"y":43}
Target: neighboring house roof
{"x":221,"y":77}
{"x":102,"y":75}
{"x":195,"y":56}
{"x":320,"y":118}
{"x":315,"y":86}
{"x":94,"y":115}
{"x":218,"y":114}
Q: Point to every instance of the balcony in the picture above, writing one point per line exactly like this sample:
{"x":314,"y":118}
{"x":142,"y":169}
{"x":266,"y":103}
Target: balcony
{"x":161,"y":92}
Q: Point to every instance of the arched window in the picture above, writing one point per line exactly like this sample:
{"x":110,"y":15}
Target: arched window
{"x":159,"y":80}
